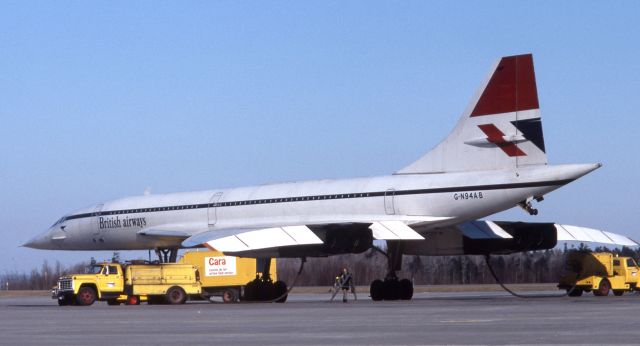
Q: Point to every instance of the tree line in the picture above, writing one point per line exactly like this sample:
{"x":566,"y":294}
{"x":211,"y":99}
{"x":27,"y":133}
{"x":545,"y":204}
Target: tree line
{"x":526,"y":267}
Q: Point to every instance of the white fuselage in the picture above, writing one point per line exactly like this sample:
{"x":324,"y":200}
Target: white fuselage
{"x":448,"y":198}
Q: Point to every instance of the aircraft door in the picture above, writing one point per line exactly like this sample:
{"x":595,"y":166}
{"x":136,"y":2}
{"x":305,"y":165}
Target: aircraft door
{"x":389,"y":203}
{"x":212,"y":212}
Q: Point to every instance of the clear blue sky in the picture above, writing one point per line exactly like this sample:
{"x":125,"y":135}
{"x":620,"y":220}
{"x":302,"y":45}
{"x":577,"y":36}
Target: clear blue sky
{"x":100,"y":100}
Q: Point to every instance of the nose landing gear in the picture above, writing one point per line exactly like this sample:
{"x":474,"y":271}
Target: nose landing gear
{"x":392,"y":288}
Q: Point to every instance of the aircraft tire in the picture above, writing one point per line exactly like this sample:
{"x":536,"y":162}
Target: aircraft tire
{"x":249,"y":291}
{"x":377,"y":290}
{"x":280,"y":288}
{"x":391,"y":290}
{"x":406,"y":289}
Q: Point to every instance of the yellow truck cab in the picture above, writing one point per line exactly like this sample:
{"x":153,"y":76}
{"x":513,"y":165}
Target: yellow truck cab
{"x":115,"y":283}
{"x":599,"y":272}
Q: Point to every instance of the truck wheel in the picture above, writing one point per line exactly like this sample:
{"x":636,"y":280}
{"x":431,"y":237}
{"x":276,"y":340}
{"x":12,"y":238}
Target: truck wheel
{"x":176,"y":295}
{"x":618,"y":292}
{"x":604,"y":288}
{"x":86,"y":296}
{"x":576,"y":292}
{"x":229,"y":296}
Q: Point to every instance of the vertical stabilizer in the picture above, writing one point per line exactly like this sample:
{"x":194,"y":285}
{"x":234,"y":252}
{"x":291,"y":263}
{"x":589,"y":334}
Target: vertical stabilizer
{"x":500,"y":129}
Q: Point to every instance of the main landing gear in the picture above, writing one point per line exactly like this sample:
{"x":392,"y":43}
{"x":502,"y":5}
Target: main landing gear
{"x":392,"y":288}
{"x":262,"y":288}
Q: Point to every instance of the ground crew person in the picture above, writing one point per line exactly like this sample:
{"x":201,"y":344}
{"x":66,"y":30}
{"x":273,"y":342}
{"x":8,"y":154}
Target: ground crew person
{"x":345,"y":281}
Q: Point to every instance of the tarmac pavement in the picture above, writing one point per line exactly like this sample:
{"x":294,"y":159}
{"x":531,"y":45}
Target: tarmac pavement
{"x":309,"y":319}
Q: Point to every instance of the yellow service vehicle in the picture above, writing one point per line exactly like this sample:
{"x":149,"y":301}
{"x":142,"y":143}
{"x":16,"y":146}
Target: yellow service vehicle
{"x":197,"y":275}
{"x":230,"y":277}
{"x":114,"y":282}
{"x":599,"y":272}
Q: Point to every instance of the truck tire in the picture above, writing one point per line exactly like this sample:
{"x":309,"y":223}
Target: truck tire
{"x":603,"y":288}
{"x":229,"y":295}
{"x":618,"y":293}
{"x":176,"y":295}
{"x":86,"y":296}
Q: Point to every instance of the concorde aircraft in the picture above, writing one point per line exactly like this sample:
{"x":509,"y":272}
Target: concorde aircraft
{"x":494,"y":159}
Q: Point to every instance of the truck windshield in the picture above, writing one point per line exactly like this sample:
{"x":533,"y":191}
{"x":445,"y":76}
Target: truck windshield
{"x":94,"y":269}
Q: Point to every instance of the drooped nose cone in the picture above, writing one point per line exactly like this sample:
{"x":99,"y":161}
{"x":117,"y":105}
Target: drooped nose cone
{"x":46,"y":241}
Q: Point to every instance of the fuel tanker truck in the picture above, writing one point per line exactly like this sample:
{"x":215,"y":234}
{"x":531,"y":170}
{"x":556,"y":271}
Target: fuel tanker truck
{"x":198,"y":275}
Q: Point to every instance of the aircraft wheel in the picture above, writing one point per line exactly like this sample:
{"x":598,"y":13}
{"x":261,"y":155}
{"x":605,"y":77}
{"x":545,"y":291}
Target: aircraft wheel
{"x":376,"y":290}
{"x":391,"y":289}
{"x":280,"y":288}
{"x":618,"y":292}
{"x":86,"y":296}
{"x":249,"y":291}
{"x":577,"y":292}
{"x":406,"y":289}
{"x":176,"y":295}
